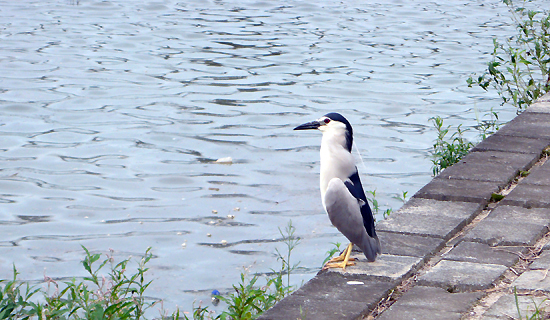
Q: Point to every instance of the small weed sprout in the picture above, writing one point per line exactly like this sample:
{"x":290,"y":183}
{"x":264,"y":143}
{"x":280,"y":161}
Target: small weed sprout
{"x":376,"y":209}
{"x":487,"y":127}
{"x":537,"y":314}
{"x":291,"y":242}
{"x":332,"y":252}
{"x":374,"y":201}
{"x":376,"y":206}
{"x":402,"y":197}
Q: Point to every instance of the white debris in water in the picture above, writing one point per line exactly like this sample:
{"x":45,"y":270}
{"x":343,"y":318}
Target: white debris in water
{"x":226,"y":160}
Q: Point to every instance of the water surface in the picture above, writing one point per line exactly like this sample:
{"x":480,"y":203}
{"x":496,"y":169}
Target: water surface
{"x":113,"y":114}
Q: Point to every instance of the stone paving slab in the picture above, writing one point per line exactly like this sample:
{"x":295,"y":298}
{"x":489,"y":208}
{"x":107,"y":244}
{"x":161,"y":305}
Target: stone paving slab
{"x":534,"y":191}
{"x":493,"y":166}
{"x":458,"y":190}
{"x":542,"y":262}
{"x":483,"y":253}
{"x":424,"y":225}
{"x":533,"y":280}
{"x":528,"y":125}
{"x":539,"y":175}
{"x":541,"y":106}
{"x":510,"y":225}
{"x":430,"y":303}
{"x":520,"y":161}
{"x":529,"y":196}
{"x":427,"y":217}
{"x":511,"y":144}
{"x":462,"y":276}
{"x":500,"y":173}
{"x":505,"y":307}
{"x":459,"y":209}
{"x":329,"y":296}
{"x":408,"y":244}
{"x":387,"y":266}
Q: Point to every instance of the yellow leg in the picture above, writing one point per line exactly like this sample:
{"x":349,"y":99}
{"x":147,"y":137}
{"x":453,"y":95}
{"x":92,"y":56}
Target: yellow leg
{"x":341,"y":261}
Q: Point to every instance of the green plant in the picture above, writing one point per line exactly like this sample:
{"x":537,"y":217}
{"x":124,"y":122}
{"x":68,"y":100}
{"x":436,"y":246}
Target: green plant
{"x":496,"y":197}
{"x":448,"y":151}
{"x":487,"y":127}
{"x":303,"y":313}
{"x":537,"y":314}
{"x":199,"y":313}
{"x":524,"y":173}
{"x":291,"y":242}
{"x":402,"y":197}
{"x":374,"y":201}
{"x":519,"y":70}
{"x":15,"y":302}
{"x":332,"y":252}
{"x":249,"y":300}
{"x":376,"y":206}
{"x":387,"y":212}
{"x":118,"y":295}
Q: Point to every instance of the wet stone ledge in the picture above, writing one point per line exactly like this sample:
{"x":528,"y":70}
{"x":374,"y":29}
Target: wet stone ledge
{"x":450,"y":245}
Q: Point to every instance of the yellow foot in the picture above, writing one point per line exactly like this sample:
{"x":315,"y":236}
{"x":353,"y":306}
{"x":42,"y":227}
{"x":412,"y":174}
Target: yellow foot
{"x":340,"y":258}
{"x":342,"y":261}
{"x":338,"y":265}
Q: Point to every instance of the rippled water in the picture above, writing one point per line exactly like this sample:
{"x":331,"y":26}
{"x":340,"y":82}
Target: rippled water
{"x":112,"y":114}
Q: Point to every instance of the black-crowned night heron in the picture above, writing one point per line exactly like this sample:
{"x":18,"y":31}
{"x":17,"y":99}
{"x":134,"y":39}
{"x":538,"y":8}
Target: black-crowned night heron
{"x":341,"y":190}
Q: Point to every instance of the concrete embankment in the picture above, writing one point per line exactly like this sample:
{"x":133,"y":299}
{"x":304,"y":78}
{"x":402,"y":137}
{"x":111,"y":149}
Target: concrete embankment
{"x":460,"y":247}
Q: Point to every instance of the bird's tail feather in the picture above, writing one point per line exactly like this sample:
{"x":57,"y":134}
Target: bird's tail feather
{"x":371,"y":248}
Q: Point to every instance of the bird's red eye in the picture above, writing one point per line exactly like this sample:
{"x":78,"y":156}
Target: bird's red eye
{"x":327,"y":120}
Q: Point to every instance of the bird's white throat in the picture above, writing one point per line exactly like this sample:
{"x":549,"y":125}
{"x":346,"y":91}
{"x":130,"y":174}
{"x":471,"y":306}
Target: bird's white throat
{"x":336,"y":160}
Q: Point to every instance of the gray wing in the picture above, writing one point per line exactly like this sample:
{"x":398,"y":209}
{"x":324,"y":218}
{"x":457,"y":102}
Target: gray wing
{"x":344,"y":211}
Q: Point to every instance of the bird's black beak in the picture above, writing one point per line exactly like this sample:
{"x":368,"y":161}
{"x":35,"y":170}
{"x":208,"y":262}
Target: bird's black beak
{"x":308,"y":126}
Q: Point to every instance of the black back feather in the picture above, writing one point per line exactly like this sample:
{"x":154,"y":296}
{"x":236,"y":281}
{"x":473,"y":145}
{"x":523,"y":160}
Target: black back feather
{"x":356,"y":189}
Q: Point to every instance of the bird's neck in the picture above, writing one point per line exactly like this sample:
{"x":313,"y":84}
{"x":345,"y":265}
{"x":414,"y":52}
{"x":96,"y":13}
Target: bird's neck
{"x":336,"y":160}
{"x":336,"y":138}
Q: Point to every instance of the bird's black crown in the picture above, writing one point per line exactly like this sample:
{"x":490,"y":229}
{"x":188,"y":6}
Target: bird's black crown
{"x":349,"y":131}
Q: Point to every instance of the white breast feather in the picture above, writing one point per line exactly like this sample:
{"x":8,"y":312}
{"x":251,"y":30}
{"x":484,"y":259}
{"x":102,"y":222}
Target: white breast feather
{"x":336,"y":161}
